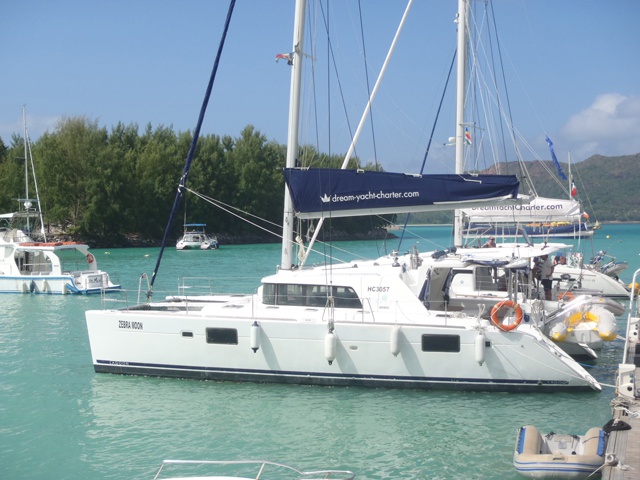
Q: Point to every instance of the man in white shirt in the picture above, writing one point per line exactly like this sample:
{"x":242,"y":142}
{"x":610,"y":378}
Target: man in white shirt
{"x":546,"y":275}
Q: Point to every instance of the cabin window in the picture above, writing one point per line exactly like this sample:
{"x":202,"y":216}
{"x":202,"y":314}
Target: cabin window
{"x":269,"y":294}
{"x":223,"y":336}
{"x":317,"y":295}
{"x":346,"y":297}
{"x":289,"y":294}
{"x":441,"y":343}
{"x":34,"y":262}
{"x":309,"y":295}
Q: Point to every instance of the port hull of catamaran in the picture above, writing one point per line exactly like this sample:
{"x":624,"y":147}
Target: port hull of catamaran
{"x":57,"y":285}
{"x":161,"y":342}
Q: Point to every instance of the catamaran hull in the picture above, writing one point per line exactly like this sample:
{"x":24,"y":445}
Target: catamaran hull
{"x":52,"y":285}
{"x":286,"y":351}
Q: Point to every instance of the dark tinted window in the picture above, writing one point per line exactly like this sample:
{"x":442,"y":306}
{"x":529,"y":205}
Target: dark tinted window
{"x":440,"y":343}
{"x":225,"y":336}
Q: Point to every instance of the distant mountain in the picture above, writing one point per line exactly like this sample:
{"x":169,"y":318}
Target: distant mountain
{"x":607,"y":187}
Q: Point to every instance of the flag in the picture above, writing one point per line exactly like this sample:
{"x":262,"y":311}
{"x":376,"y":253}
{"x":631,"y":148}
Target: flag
{"x":555,"y":160}
{"x":574,"y":190}
{"x":467,"y":136}
{"x":285,"y":56}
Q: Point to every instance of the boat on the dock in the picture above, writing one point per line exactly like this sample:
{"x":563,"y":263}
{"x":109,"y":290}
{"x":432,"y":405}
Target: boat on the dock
{"x":244,"y":470}
{"x":559,"y":456}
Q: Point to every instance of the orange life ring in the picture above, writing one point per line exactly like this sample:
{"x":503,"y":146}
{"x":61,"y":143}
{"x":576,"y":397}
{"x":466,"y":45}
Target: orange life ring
{"x":498,"y":323}
{"x":565,"y":297}
{"x":90,"y":258}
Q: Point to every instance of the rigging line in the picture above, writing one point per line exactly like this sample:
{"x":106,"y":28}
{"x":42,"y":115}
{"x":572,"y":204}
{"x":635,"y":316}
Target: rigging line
{"x":35,"y":179}
{"x":335,"y":68}
{"x":35,"y":183}
{"x":366,"y":73}
{"x":194,"y":141}
{"x":433,"y":128}
{"x":497,"y":42}
{"x":229,"y":209}
{"x":320,"y":222}
{"x":313,"y":44}
{"x":586,"y":193}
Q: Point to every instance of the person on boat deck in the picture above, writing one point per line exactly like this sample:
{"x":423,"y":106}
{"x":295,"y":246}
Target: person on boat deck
{"x":489,"y":243}
{"x":546,"y":275}
{"x":560,"y":260}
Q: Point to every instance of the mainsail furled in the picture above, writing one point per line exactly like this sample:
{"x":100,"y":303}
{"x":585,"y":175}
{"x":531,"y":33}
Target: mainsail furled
{"x":324,"y":192}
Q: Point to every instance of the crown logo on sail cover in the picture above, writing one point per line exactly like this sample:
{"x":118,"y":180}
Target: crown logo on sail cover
{"x":325,"y":198}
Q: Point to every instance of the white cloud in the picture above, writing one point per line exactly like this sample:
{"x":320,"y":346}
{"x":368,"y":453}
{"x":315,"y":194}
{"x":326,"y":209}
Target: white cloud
{"x":609,"y":127}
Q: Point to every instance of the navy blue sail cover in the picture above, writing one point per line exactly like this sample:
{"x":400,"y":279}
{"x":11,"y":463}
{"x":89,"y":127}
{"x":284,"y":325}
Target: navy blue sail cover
{"x":319,"y":192}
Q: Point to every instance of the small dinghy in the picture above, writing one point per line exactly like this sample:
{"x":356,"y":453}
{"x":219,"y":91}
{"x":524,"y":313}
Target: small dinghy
{"x":559,"y":456}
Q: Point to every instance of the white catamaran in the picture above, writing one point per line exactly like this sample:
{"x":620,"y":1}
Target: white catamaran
{"x":359,"y":323}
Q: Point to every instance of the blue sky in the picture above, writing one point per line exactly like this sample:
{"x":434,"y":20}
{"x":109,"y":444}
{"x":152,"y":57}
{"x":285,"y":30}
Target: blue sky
{"x":573,"y":70}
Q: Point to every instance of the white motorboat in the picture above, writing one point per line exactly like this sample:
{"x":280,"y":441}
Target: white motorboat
{"x":244,"y":470}
{"x":28,"y":266}
{"x":555,"y":455}
{"x":359,"y":323}
{"x":580,"y":279}
{"x":196,"y":238}
{"x":607,"y":264}
{"x":51,"y":268}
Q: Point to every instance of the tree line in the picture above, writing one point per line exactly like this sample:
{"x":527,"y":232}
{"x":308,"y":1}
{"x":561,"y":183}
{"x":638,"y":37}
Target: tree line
{"x":112,"y":184}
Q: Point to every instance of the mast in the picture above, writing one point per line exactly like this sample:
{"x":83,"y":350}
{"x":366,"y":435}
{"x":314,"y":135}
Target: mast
{"x":292,"y":140}
{"x":26,"y":156}
{"x":460,"y":100}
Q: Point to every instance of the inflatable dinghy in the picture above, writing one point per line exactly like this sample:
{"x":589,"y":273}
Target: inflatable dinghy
{"x":557,"y":455}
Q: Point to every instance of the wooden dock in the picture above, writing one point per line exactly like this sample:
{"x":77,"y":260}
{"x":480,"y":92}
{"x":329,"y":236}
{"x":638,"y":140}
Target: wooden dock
{"x":622,"y":460}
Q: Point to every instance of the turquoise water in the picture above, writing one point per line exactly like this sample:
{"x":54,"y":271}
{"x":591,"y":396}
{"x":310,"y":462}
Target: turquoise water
{"x":60,"y":420}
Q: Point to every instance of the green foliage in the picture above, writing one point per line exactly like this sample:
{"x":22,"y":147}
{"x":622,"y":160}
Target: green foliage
{"x":12,"y":184}
{"x":110,"y":184}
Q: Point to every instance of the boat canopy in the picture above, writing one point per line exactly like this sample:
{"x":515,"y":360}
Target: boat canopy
{"x":320,"y":192}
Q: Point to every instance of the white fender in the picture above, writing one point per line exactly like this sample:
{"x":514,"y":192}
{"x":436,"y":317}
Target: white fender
{"x":480,"y":348}
{"x":255,"y":337}
{"x":330,"y":347}
{"x":394,"y":340}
